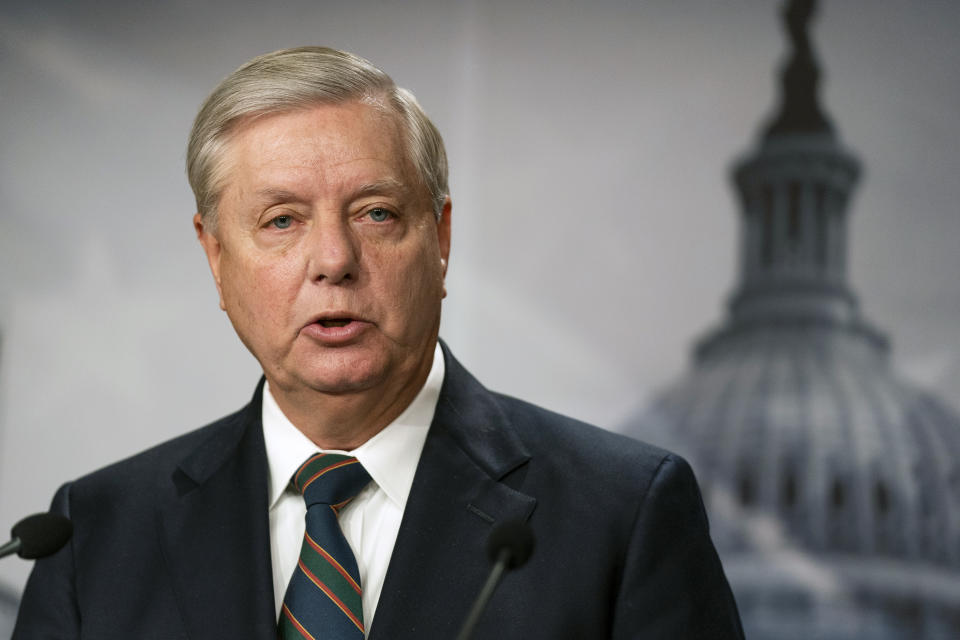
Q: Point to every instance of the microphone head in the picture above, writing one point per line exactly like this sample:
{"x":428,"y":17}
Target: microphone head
{"x":515,"y":538}
{"x":42,"y":534}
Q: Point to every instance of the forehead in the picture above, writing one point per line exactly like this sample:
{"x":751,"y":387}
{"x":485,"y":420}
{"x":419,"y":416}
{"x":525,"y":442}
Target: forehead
{"x":322,"y":144}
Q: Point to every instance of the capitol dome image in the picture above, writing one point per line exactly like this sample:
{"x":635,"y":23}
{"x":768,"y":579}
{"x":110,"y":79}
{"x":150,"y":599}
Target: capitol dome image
{"x":832,"y":484}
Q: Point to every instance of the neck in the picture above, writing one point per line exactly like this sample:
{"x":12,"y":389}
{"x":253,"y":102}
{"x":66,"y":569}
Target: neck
{"x":346,"y":421}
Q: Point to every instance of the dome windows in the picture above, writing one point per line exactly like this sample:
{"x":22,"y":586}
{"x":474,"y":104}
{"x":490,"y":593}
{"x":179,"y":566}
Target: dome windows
{"x":838,"y":495}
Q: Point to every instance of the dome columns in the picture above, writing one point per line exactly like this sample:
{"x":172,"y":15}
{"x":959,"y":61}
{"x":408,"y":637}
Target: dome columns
{"x":794,"y":193}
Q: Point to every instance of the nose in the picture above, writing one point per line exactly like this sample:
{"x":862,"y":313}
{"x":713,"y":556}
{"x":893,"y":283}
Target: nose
{"x":333,"y":253}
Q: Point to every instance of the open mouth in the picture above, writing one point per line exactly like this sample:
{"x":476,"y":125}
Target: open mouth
{"x":335,"y":322}
{"x":336,"y":329}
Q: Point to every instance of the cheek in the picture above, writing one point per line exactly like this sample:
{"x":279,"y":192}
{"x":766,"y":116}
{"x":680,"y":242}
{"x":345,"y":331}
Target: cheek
{"x":414,"y":288}
{"x":262,"y":289}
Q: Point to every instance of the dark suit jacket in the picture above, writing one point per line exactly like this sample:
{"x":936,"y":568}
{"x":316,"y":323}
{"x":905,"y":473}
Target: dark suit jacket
{"x":174,"y":542}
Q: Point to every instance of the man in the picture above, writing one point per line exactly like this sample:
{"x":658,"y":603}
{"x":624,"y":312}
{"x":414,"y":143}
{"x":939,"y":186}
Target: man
{"x":323,"y":210}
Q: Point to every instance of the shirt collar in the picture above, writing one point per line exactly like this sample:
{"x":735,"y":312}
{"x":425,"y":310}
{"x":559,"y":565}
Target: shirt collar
{"x":390,"y":457}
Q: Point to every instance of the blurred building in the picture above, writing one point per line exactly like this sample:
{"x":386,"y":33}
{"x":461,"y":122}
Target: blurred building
{"x":832,"y":485}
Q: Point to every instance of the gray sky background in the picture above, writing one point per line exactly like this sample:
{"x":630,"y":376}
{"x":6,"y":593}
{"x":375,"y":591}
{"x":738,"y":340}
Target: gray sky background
{"x":594,"y":225}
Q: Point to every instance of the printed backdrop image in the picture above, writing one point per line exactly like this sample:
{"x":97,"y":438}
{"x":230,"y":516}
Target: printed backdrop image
{"x":598,"y":238}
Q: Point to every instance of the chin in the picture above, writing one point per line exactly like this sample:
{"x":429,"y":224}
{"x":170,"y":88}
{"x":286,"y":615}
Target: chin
{"x":348,"y":370}
{"x":345,"y":376}
{"x":342,"y":385}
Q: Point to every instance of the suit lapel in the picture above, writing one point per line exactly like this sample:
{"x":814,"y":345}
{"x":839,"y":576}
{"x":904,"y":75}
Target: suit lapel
{"x":214,"y":530}
{"x":459,"y":492}
{"x":214,"y":526}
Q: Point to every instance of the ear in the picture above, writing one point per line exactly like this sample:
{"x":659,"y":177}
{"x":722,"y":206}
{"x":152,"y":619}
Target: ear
{"x":443,"y":238}
{"x":211,"y":246}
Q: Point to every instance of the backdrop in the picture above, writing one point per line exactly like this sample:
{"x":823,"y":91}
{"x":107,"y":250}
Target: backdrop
{"x":594,"y":226}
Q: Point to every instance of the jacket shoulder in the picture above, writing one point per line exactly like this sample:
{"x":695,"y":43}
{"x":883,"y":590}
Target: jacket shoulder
{"x":156,"y":465}
{"x":542,"y":427}
{"x":606,"y":461}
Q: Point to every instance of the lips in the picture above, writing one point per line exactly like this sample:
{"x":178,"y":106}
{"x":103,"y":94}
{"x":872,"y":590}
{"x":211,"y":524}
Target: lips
{"x":335,"y":318}
{"x":336,"y":328}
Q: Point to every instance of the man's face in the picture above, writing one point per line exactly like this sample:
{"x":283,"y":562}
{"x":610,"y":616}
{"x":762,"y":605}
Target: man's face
{"x":328,"y":257}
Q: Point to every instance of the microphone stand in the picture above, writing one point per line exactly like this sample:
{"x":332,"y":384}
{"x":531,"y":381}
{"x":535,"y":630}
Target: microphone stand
{"x":499,"y":568}
{"x":10,"y":547}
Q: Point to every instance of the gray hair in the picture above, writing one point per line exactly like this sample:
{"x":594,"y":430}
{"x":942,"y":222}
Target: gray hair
{"x":292,"y":79}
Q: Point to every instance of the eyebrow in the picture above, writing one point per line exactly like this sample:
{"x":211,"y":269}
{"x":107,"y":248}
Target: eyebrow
{"x":276,"y":196}
{"x":387,"y":185}
{"x":381,"y":186}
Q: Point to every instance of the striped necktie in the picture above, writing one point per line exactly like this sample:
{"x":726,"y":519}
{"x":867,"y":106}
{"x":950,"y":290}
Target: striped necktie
{"x":323,"y":597}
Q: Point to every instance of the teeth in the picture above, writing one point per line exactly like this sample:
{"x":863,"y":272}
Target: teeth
{"x":334,"y":323}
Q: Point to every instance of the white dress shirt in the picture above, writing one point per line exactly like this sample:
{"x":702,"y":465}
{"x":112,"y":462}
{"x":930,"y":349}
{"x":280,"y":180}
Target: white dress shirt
{"x":371,"y":521}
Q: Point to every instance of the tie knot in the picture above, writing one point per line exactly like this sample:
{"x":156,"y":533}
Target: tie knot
{"x":330,"y":478}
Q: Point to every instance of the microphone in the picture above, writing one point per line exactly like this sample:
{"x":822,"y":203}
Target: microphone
{"x":38,"y":535}
{"x":508,"y":547}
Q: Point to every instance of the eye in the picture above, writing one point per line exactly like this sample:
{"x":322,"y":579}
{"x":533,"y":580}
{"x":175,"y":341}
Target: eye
{"x":282,"y":222}
{"x":379,"y":214}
